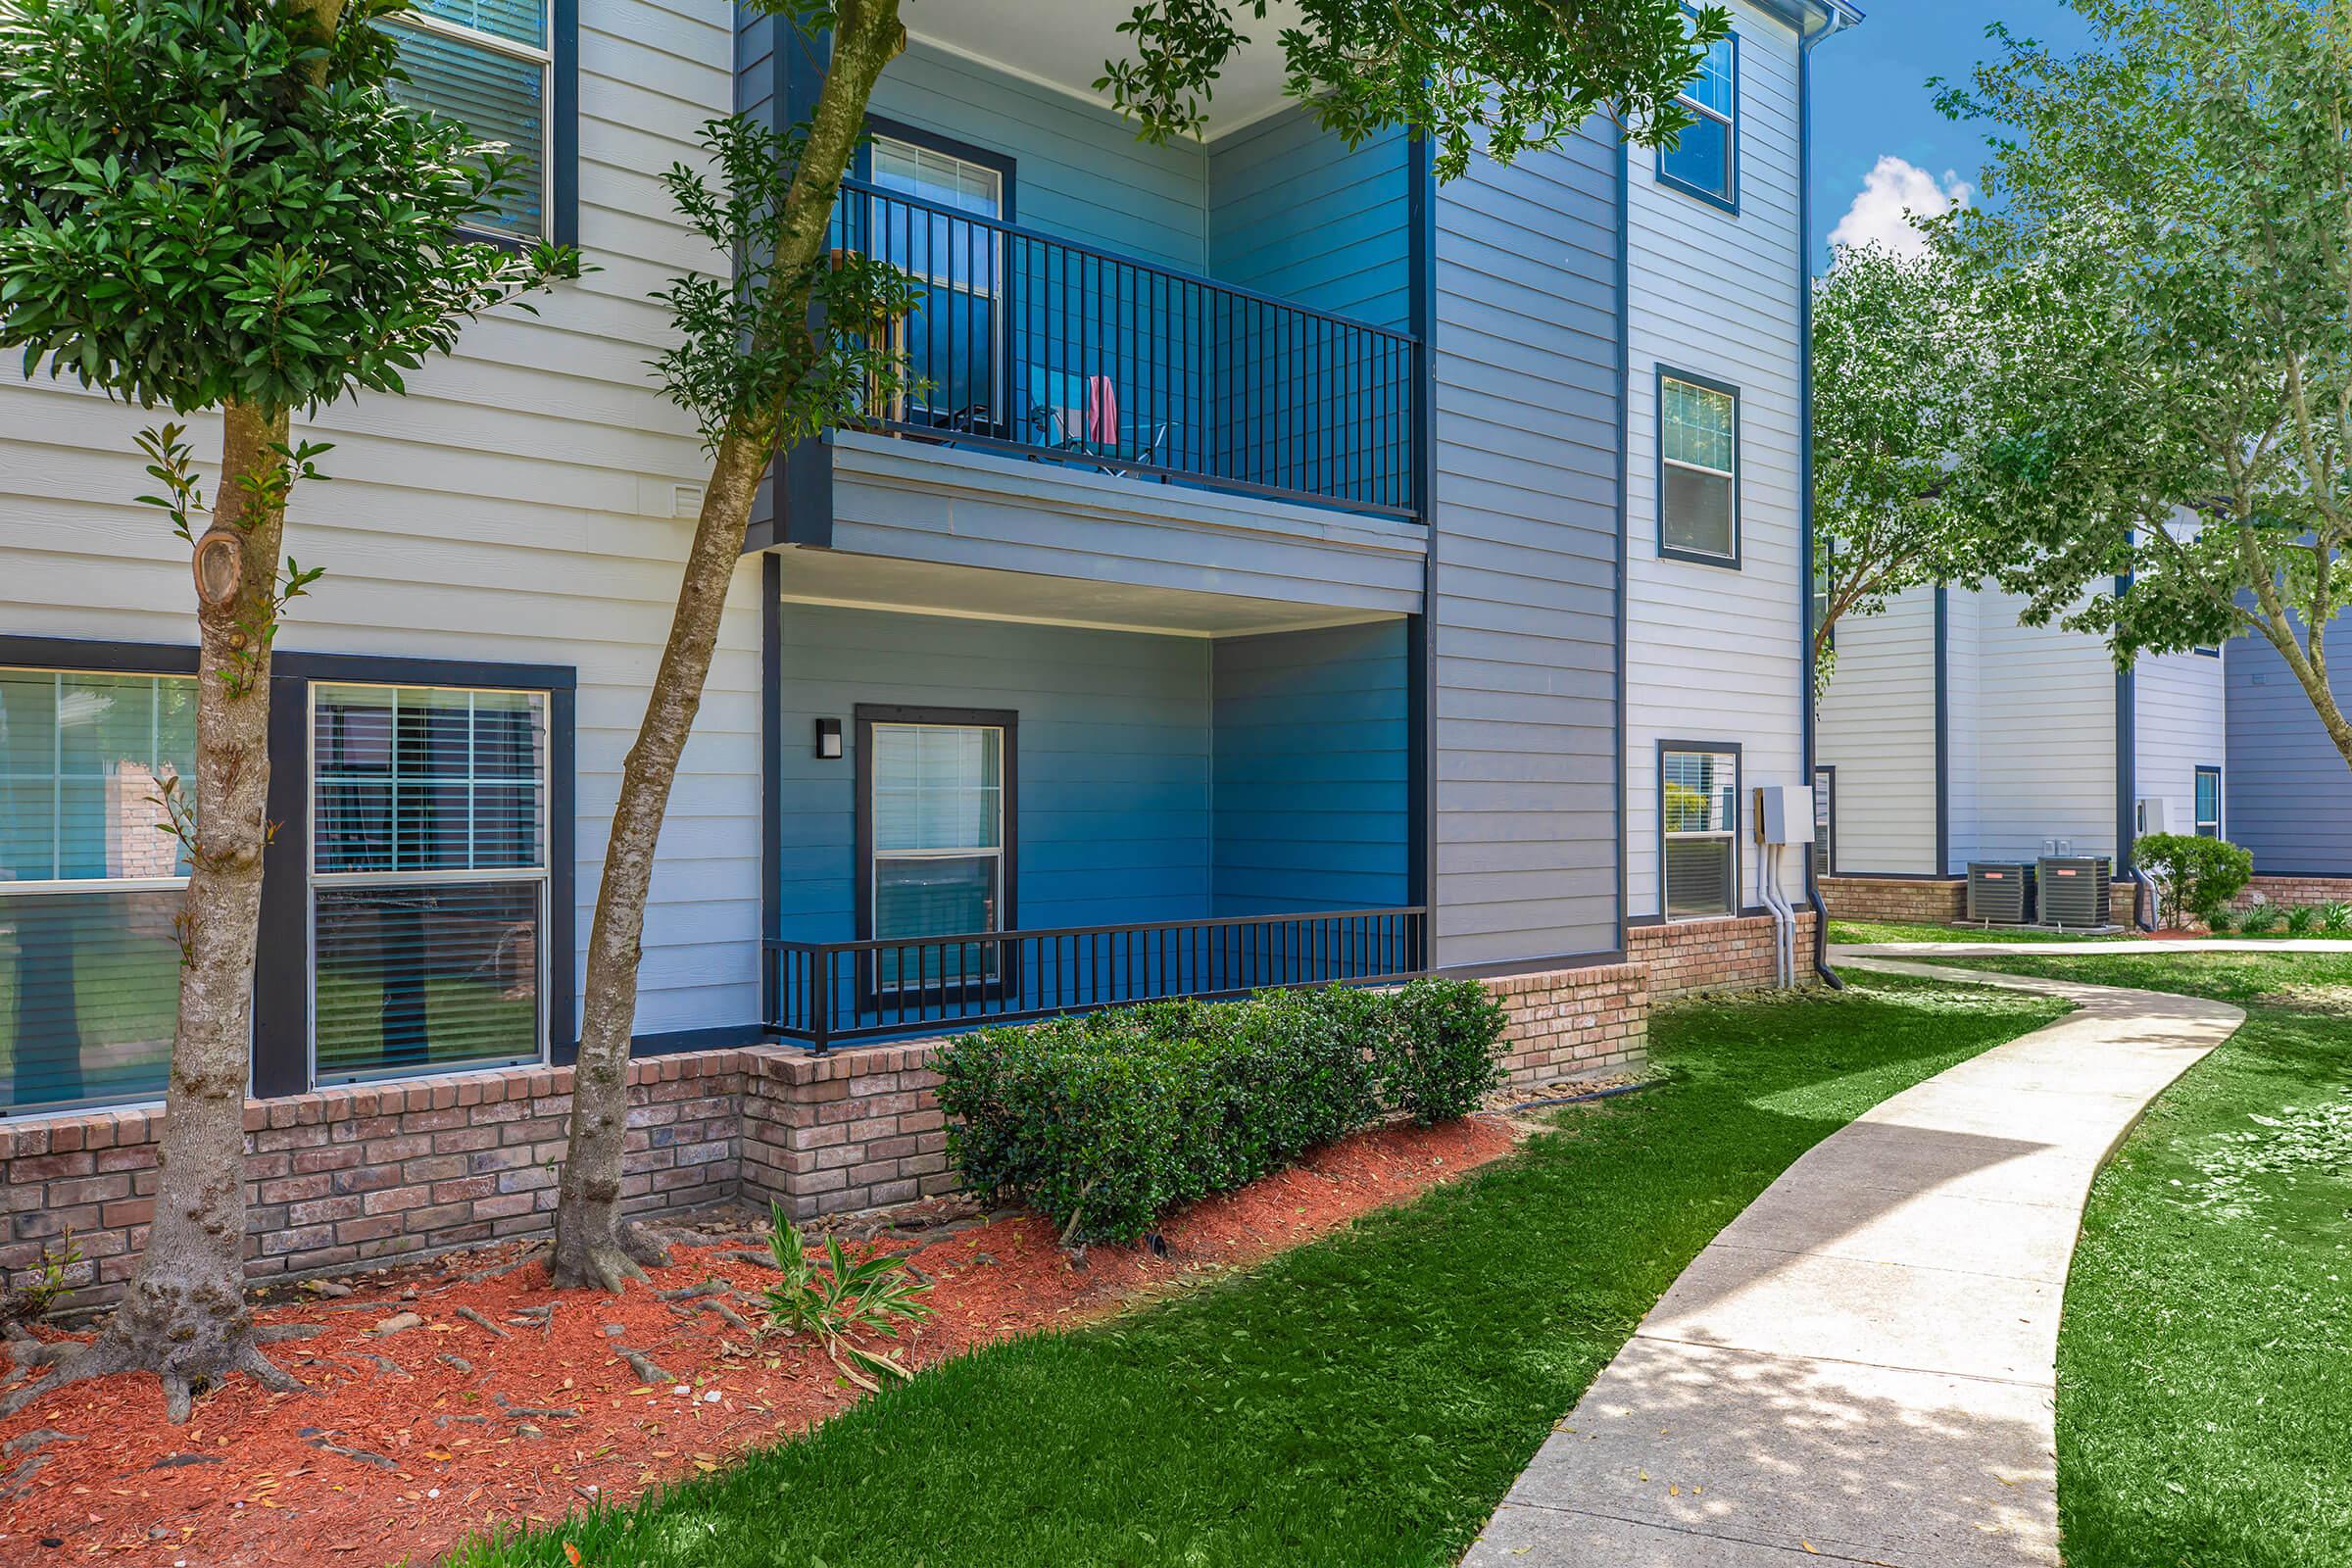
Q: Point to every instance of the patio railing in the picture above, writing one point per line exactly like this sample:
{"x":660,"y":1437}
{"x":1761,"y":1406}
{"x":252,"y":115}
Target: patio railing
{"x":1058,"y":351}
{"x":822,"y":993}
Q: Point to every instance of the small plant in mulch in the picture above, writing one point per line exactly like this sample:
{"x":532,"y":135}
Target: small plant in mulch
{"x":2335,"y":915}
{"x":2259,"y":920}
{"x":2302,"y":918}
{"x":841,"y":1296}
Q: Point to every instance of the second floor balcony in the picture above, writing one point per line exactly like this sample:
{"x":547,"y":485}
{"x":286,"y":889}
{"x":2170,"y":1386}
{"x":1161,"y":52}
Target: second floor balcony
{"x":1228,"y":312}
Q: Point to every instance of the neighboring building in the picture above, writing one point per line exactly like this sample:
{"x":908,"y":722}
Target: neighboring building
{"x":2290,"y":796}
{"x":1296,"y":571}
{"x":1953,"y":732}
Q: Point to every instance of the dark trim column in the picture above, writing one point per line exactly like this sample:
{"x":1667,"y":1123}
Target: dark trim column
{"x":1625,"y":426}
{"x":1943,"y":730}
{"x":282,"y":962}
{"x":771,"y":774}
{"x":1421,"y":229}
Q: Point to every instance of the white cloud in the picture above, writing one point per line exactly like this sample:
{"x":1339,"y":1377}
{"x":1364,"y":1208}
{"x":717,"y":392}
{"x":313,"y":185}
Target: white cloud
{"x":1892,"y":188}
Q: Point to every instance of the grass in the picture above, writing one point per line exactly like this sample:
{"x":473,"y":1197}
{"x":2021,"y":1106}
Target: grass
{"x":2205,"y":1358}
{"x":1864,"y":931}
{"x":1363,"y":1401}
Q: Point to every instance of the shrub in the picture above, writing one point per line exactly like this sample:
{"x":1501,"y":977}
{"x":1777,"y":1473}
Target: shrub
{"x":1439,"y":1058}
{"x":2335,"y":915}
{"x":2196,"y":875}
{"x":1106,"y":1122}
{"x":2300,"y":919}
{"x":2259,"y":920}
{"x":2219,"y":921}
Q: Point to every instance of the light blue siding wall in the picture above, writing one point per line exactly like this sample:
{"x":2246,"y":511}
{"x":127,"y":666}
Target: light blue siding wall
{"x":1311,"y":770}
{"x":1113,"y":759}
{"x":1079,"y":171}
{"x":2286,"y":794}
{"x":1293,"y":212}
{"x":1527,"y":365}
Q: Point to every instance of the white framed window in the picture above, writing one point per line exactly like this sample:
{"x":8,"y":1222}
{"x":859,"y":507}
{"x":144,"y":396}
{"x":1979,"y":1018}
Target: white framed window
{"x":2209,"y":803}
{"x":1704,"y":161}
{"x":1699,"y":469}
{"x":429,"y":879}
{"x":1825,"y":820}
{"x":1699,"y":815}
{"x":954,"y":337}
{"x":490,"y":64}
{"x":935,"y":798}
{"x":89,"y":884}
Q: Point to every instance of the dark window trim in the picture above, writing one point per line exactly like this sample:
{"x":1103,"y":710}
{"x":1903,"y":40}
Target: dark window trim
{"x":562,"y":212}
{"x":1730,"y":202}
{"x":2221,"y":799}
{"x":915,"y":135}
{"x":1830,"y":867}
{"x":2207,"y":652}
{"x":1739,"y":816}
{"x":865,"y":716}
{"x":1663,"y":372}
{"x":282,"y":1021}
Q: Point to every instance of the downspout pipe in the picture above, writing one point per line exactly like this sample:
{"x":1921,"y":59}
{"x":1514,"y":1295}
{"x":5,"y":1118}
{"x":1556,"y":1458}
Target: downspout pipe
{"x":1835,"y":16}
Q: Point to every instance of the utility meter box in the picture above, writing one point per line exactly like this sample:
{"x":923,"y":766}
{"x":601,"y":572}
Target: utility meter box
{"x":1784,"y":813}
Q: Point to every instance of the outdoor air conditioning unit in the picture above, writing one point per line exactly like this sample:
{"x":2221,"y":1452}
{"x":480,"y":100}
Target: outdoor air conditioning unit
{"x":2001,"y":892}
{"x":2075,"y":889}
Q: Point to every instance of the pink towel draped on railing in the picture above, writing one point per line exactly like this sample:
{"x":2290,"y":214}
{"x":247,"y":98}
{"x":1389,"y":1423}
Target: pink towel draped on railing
{"x":1101,"y":411}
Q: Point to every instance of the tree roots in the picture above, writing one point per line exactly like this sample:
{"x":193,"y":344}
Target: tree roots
{"x":107,"y":1356}
{"x":606,"y":1263}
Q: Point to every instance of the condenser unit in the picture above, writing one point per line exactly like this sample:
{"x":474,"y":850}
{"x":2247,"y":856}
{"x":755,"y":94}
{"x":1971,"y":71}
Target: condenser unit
{"x":2001,"y":892}
{"x":2075,"y":889}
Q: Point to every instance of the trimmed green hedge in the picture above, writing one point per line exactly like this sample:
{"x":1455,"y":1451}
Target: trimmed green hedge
{"x":1105,"y":1122}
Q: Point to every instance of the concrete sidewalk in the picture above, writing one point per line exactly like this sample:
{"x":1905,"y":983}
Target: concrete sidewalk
{"x":1861,"y":1366}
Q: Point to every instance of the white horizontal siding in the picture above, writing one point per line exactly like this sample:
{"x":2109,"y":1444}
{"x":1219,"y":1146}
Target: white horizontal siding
{"x":2046,"y":737}
{"x":2179,"y":725}
{"x":1716,"y":653}
{"x":516,"y":506}
{"x":1878,"y":729}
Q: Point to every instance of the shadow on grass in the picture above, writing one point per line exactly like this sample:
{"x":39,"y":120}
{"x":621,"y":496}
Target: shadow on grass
{"x":1363,"y":1401}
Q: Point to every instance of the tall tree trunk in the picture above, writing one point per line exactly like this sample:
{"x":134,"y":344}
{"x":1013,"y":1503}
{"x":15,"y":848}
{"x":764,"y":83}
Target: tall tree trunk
{"x":184,"y":1314}
{"x":595,"y":1246}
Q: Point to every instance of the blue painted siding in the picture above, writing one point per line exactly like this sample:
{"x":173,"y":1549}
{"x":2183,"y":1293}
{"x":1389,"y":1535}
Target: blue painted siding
{"x":1079,"y":169}
{"x":1311,"y":770}
{"x":1293,"y":211}
{"x":2286,"y":794}
{"x":1114,"y":744}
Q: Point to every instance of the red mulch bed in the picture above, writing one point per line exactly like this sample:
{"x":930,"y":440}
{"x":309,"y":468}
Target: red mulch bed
{"x":399,"y":1460}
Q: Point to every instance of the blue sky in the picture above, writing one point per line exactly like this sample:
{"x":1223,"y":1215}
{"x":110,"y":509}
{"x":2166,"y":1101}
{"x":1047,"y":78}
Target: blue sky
{"x":1871,"y":101}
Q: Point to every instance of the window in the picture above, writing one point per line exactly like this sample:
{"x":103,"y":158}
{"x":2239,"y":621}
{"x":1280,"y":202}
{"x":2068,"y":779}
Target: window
{"x":1704,"y":161}
{"x":2209,"y":803}
{"x":1825,"y":821}
{"x":429,"y":878}
{"x":1699,"y":469}
{"x":490,"y":64}
{"x":936,"y":820}
{"x":952,"y":340}
{"x":89,"y":962}
{"x":1700,"y":810}
{"x":1825,"y":583}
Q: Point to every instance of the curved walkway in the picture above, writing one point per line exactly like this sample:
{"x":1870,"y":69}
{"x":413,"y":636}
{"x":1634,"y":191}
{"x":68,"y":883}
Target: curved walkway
{"x":1861,"y":1366}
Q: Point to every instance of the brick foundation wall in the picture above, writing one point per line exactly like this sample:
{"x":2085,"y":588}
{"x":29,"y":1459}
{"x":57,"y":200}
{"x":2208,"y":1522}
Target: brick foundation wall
{"x":1932,"y":901}
{"x":1572,"y":1025}
{"x":2293,"y":892}
{"x":859,"y":1127}
{"x":345,"y":1177}
{"x":1739,"y":953}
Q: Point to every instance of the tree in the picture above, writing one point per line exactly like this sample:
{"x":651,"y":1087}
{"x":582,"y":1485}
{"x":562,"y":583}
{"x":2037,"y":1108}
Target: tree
{"x":214,"y":204}
{"x":2169,"y":262}
{"x":1894,"y":347}
{"x":773,"y":355}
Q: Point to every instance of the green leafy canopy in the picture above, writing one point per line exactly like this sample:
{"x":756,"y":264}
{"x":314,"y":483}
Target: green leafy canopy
{"x":1501,"y":76}
{"x":204,"y":200}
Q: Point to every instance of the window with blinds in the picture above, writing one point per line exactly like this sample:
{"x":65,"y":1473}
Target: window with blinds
{"x":939,"y":847}
{"x":488,"y":64}
{"x":1698,"y":470}
{"x":1704,"y":159}
{"x":428,"y":879}
{"x":2209,"y":803}
{"x":953,"y":336}
{"x":1699,"y":808}
{"x":89,"y":884}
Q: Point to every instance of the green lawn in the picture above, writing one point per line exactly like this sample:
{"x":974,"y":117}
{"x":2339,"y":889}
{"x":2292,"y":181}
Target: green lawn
{"x":1906,"y":931}
{"x":1364,"y":1401}
{"x":2205,"y":1358}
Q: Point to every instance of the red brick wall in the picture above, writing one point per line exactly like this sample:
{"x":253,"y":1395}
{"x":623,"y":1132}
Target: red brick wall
{"x":1913,"y":900}
{"x":1574,"y":1024}
{"x":344,"y":1177}
{"x":1737,"y":953}
{"x":2292,"y":892}
{"x":857,"y":1129}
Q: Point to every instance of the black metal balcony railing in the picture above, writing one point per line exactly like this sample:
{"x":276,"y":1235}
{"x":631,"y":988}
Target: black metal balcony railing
{"x":826,"y":993}
{"x":1062,"y":352}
